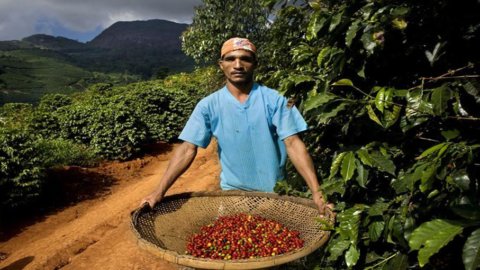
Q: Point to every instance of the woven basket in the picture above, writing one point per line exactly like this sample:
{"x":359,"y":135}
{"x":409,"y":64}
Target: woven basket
{"x":164,"y":230}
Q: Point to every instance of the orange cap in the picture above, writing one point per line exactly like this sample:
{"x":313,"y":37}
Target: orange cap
{"x":237,"y":43}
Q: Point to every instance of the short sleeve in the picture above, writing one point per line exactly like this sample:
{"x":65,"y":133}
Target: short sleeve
{"x":197,"y":130}
{"x":287,"y":119}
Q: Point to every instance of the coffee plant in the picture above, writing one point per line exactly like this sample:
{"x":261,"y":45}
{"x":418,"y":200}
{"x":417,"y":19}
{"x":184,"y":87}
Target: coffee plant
{"x":391,"y":93}
{"x":102,"y":122}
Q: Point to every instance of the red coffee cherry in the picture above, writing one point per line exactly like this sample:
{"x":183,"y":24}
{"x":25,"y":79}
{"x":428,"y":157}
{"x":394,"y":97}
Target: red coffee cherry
{"x":243,"y":236}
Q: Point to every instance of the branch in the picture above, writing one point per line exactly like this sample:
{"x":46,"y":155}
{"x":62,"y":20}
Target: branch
{"x":451,"y":77}
{"x":463,"y":118}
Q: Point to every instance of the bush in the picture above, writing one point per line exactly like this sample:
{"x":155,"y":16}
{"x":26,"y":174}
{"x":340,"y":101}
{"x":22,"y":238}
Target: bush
{"x":21,"y":168}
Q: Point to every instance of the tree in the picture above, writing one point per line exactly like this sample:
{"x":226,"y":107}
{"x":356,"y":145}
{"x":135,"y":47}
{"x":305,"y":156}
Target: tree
{"x":216,"y":21}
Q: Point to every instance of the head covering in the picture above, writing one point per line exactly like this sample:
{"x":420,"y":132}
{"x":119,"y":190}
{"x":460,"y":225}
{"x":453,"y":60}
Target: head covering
{"x":237,"y":43}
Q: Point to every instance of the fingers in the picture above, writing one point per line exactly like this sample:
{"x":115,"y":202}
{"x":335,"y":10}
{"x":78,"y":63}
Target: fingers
{"x":147,"y":202}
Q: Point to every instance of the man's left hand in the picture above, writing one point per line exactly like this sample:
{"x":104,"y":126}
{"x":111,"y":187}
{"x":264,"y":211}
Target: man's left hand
{"x":322,"y":204}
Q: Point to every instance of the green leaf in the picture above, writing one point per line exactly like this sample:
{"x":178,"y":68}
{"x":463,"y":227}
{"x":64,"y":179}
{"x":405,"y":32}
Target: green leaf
{"x":365,"y":157}
{"x":362,"y":174}
{"x":416,"y":106}
{"x":348,"y":223}
{"x":352,"y":32}
{"x":351,"y":256}
{"x":382,"y":162}
{"x":450,"y":134}
{"x":467,"y":211}
{"x":460,"y":179}
{"x":337,"y":249}
{"x":336,"y":164}
{"x":298,"y":79}
{"x":325,"y":116}
{"x":391,"y":117}
{"x":333,"y":185}
{"x":335,"y":21}
{"x":471,"y":251}
{"x":368,"y":43}
{"x":373,"y":116}
{"x":378,"y":209}
{"x":318,"y":100}
{"x":430,"y":150}
{"x":343,"y":82}
{"x":440,"y":98}
{"x":375,"y":230}
{"x":472,"y":90}
{"x":400,"y":262}
{"x":428,"y":175}
{"x":380,"y":99}
{"x":322,"y":54}
{"x":431,"y":236}
{"x":348,"y":166}
{"x":315,"y":25}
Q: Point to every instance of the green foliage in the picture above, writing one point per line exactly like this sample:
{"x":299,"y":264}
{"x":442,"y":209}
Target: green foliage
{"x":21,"y":169}
{"x":471,"y":251}
{"x":431,"y":236}
{"x":216,"y":21}
{"x":61,"y":152}
{"x":30,"y":73}
{"x":114,"y":122}
{"x":391,"y":95}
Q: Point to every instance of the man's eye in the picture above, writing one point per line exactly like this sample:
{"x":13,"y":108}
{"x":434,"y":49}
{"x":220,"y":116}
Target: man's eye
{"x":247,"y":59}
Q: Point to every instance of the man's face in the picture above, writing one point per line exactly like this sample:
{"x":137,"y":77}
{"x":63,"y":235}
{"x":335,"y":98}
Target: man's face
{"x":238,"y":66}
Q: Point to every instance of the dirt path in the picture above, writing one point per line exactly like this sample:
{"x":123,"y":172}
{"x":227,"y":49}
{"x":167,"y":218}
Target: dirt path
{"x":95,"y":233}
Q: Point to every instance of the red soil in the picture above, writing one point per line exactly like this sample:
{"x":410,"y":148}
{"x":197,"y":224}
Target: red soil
{"x":93,"y":232}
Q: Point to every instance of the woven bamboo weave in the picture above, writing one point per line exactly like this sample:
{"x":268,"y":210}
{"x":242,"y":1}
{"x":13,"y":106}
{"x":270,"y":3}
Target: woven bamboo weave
{"x":165,"y":229}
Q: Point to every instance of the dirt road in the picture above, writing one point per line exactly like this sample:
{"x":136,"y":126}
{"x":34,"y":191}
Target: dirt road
{"x":95,"y":233}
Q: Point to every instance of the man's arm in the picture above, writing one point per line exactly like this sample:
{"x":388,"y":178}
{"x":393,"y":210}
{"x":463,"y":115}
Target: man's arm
{"x":298,"y":154}
{"x":180,"y":162}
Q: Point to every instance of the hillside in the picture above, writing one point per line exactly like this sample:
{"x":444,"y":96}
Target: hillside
{"x":124,"y":52}
{"x":25,"y":75}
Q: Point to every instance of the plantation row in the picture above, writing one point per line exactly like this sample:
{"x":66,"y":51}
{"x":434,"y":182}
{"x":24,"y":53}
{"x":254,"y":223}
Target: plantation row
{"x":102,"y":122}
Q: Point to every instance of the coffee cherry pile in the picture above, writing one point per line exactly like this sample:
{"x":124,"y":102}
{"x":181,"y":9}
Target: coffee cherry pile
{"x":243,"y":236}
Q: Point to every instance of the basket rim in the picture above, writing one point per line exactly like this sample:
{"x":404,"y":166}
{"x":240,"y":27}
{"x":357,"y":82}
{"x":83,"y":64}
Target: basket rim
{"x":205,"y":263}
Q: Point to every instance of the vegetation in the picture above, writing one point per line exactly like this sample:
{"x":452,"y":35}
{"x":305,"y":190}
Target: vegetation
{"x":216,"y":21}
{"x":390,"y":91}
{"x":109,"y":122}
{"x":27,"y":74}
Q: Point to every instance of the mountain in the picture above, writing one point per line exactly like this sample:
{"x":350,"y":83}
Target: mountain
{"x":124,"y":51}
{"x":141,"y":34}
{"x":48,"y":42}
{"x":145,"y":48}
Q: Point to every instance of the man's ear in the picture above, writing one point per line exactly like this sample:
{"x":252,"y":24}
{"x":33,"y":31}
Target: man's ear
{"x":220,"y":64}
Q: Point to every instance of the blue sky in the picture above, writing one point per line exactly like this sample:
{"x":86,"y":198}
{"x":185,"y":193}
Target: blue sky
{"x":82,"y":20}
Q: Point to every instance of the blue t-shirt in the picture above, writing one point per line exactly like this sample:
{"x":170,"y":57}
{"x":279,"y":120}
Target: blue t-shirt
{"x":249,"y":135}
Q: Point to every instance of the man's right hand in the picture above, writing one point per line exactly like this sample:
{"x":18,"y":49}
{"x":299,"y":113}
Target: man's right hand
{"x":151,"y":199}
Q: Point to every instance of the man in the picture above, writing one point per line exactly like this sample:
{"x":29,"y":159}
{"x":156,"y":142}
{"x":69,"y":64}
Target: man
{"x":255,"y":128}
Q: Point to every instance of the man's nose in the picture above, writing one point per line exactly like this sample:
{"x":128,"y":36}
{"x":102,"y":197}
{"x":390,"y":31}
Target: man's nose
{"x":237,"y":63}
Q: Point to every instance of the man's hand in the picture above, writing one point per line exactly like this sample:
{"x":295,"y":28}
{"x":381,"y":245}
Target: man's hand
{"x":182,"y":158}
{"x":151,"y":199}
{"x":319,"y":200}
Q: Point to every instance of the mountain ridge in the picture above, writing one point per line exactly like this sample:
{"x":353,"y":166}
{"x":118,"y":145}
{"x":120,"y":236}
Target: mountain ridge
{"x":145,"y":49}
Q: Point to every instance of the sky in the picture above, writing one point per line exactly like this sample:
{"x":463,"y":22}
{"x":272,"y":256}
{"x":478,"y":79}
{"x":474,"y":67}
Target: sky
{"x":82,"y":20}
